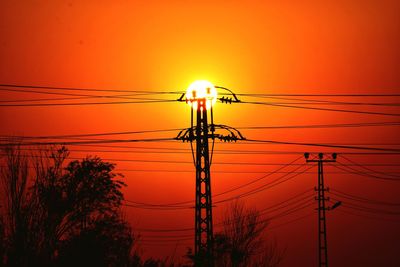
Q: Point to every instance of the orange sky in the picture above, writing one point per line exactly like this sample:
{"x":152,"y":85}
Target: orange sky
{"x":327,"y":47}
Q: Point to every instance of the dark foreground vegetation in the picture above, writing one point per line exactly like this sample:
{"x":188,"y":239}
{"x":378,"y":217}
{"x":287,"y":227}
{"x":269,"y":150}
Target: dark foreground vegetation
{"x":57,"y":212}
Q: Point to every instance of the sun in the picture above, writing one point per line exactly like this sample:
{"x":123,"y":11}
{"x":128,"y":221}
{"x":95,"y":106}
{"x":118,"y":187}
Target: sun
{"x":201,"y":89}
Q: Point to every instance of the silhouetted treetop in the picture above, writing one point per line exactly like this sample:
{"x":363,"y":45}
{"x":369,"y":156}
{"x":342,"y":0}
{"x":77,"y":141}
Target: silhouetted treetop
{"x":47,"y":209}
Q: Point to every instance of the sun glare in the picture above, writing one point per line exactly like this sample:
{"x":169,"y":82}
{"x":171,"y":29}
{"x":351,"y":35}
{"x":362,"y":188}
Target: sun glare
{"x":201,"y":89}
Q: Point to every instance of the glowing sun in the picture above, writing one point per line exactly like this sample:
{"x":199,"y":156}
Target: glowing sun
{"x":201,"y":90}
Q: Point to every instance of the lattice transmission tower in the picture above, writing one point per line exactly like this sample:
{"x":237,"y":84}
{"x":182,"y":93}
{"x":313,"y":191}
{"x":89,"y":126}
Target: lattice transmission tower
{"x":201,"y":132}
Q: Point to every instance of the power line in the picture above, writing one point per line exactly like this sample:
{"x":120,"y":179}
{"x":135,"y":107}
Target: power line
{"x":95,"y":134}
{"x":289,"y":202}
{"x":264,"y":187}
{"x":320,"y":109}
{"x":87,"y":89}
{"x":215,"y":163}
{"x":319,"y":95}
{"x":106,"y":141}
{"x":163,"y":230}
{"x":285,"y":213}
{"x":180,"y":92}
{"x":166,"y":240}
{"x":355,"y":213}
{"x":337,"y":125}
{"x":72,"y":96}
{"x":361,"y":199}
{"x":87,"y":103}
{"x":261,"y":178}
{"x":274,"y":226}
{"x":218,"y":142}
{"x":308,"y":101}
{"x":151,"y":150}
{"x":291,"y":221}
{"x":323,"y":145}
{"x":351,"y":170}
{"x":44,"y":99}
{"x":280,"y":215}
{"x":368,"y":209}
{"x":233,"y":171}
{"x":221,"y":171}
{"x":369,"y":169}
{"x":75,"y":96}
{"x":293,"y":210}
{"x":169,"y":236}
{"x":229,"y":190}
{"x":175,"y":245}
{"x":156,"y":208}
{"x":331,"y":104}
{"x":84,"y":96}
{"x":269,"y":228}
{"x":293,"y":200}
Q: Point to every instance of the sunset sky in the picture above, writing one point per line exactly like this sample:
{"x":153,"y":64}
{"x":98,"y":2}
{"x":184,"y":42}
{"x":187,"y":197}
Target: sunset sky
{"x":282,"y":49}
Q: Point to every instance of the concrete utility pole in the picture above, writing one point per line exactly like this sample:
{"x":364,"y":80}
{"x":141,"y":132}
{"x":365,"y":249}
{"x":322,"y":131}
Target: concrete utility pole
{"x":322,"y":242}
{"x":201,"y":100}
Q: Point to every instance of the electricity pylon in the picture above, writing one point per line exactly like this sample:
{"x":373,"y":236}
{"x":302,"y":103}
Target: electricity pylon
{"x":200,"y":132}
{"x":322,"y":242}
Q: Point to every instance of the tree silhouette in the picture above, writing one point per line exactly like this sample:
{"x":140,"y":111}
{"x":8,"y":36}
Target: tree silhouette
{"x":242,"y":241}
{"x":105,"y":242}
{"x":16,"y":209}
{"x":53,"y":209}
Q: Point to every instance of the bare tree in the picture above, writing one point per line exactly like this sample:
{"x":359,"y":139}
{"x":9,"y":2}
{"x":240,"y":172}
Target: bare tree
{"x":242,"y":241}
{"x":271,"y":255}
{"x":16,"y":207}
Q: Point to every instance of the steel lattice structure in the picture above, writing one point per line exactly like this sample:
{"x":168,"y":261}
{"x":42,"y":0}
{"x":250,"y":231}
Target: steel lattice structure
{"x":201,"y":132}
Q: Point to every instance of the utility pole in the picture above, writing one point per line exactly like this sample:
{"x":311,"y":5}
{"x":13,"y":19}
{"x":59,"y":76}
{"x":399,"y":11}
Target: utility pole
{"x":200,"y":131}
{"x":322,"y":242}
